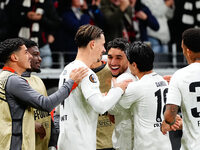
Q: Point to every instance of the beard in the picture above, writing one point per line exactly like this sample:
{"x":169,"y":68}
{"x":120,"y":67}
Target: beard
{"x":116,"y":75}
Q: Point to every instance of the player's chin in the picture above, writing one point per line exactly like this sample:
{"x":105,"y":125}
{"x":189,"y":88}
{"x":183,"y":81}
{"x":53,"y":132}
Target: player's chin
{"x":28,"y":67}
{"x":115,"y":74}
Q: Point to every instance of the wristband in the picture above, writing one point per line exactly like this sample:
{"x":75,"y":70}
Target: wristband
{"x":170,"y":123}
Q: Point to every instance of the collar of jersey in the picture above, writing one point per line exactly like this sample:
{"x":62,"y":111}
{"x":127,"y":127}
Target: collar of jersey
{"x":8,"y":69}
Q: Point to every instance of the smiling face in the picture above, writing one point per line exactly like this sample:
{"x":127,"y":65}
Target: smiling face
{"x":117,"y":61}
{"x":36,"y":60}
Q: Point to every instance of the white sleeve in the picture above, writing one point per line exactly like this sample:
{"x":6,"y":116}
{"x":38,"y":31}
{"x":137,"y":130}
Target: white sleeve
{"x":101,"y":103}
{"x":90,"y":85}
{"x":174,"y":94}
{"x":131,"y":95}
{"x":116,"y":110}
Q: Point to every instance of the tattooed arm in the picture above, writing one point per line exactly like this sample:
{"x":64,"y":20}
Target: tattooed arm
{"x":170,"y":113}
{"x":172,"y":120}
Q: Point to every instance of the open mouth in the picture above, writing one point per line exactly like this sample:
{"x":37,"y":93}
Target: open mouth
{"x":115,"y":68}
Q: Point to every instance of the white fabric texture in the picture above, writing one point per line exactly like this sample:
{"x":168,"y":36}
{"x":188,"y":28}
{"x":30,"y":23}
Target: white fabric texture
{"x":184,"y":90}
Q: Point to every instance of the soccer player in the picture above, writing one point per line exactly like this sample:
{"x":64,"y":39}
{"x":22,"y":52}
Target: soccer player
{"x":79,"y":112}
{"x":146,"y":99}
{"x":184,"y":91}
{"x":43,"y":123}
{"x":16,"y":97}
{"x":122,"y":137}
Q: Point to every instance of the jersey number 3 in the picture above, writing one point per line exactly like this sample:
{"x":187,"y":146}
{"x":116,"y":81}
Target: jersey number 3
{"x":192,"y":88}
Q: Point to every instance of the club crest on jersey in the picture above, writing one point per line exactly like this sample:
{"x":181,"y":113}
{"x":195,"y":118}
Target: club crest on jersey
{"x":92,"y":78}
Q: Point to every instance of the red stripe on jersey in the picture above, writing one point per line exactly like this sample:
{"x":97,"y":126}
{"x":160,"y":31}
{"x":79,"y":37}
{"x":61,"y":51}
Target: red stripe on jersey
{"x":9,"y":69}
{"x":74,"y":86}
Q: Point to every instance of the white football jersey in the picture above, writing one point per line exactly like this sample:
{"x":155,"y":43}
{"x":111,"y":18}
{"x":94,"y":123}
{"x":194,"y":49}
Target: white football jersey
{"x":184,"y":91}
{"x":146,"y":99}
{"x":122,"y":137}
{"x":78,"y":120}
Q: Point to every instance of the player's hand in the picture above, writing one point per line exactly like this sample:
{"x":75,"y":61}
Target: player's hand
{"x":78,"y":74}
{"x":40,"y":130}
{"x":178,"y":124}
{"x":167,"y":78}
{"x":104,"y":94}
{"x":34,"y":16}
{"x":123,"y":85}
{"x":141,"y":15}
{"x":165,"y":128}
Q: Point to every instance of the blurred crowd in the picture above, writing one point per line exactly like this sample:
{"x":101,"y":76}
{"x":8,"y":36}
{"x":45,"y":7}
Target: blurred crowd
{"x":53,"y":23}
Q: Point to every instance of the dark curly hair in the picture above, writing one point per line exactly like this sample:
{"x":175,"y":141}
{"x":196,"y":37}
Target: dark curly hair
{"x":120,"y":43}
{"x":29,"y":43}
{"x":9,"y":46}
{"x":191,"y":39}
{"x":142,"y":55}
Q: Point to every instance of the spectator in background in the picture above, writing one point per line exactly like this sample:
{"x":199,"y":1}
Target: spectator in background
{"x":141,"y":19}
{"x":4,"y":23}
{"x":186,"y":15}
{"x":36,"y":20}
{"x":162,"y":10}
{"x":114,"y":12}
{"x":75,"y":13}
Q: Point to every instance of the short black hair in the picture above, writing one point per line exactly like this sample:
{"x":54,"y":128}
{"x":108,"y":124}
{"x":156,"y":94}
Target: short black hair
{"x":142,"y":55}
{"x":86,"y":33}
{"x":120,"y":43}
{"x":191,"y":39}
{"x":9,"y":46}
{"x":29,"y":43}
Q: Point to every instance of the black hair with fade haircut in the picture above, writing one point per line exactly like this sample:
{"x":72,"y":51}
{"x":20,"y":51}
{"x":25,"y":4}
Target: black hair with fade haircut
{"x":191,"y":39}
{"x":86,"y":33}
{"x":142,"y":55}
{"x":9,"y":46}
{"x":29,"y":43}
{"x":120,"y":43}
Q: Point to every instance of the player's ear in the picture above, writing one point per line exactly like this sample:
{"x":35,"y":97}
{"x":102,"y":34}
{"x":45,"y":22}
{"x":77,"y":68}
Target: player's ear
{"x":91,"y":44}
{"x":13,"y":57}
{"x":134,"y":64}
{"x":189,"y":53}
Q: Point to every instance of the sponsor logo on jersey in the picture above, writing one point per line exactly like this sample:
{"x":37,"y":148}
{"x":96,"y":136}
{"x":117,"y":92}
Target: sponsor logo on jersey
{"x":63,"y":118}
{"x":38,"y":114}
{"x":157,"y":124}
{"x":104,"y":122}
{"x":93,"y":78}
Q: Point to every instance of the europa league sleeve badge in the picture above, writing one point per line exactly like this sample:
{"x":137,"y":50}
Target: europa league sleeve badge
{"x":93,"y":78}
